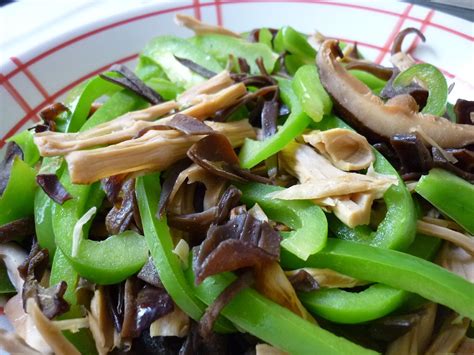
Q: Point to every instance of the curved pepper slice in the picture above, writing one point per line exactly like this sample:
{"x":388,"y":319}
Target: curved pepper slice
{"x":435,"y":82}
{"x":160,"y":244}
{"x":398,"y":228}
{"x":393,"y":268}
{"x":221,"y":46}
{"x":254,"y":152}
{"x":310,"y":228}
{"x":376,"y":301}
{"x":163,"y":49}
{"x":290,"y":40}
{"x":314,"y":100}
{"x":450,"y":194}
{"x":114,"y":259}
{"x":276,"y":325}
{"x":30,"y":151}
{"x":17,"y":200}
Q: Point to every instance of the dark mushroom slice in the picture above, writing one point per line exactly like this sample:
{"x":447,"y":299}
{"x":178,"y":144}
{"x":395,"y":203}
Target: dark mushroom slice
{"x":398,"y":41}
{"x":13,"y":150}
{"x":16,"y":229}
{"x":198,"y":69}
{"x":53,"y":188}
{"x":377,"y":70}
{"x":367,"y":113}
{"x":464,"y":110}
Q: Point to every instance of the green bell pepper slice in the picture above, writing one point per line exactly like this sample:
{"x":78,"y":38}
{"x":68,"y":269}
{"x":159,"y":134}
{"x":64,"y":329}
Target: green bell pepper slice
{"x":265,"y":37}
{"x":398,"y":228}
{"x":450,"y":194}
{"x":160,"y":244}
{"x":290,"y":40}
{"x":221,"y":46}
{"x":376,"y":301}
{"x":114,"y":259}
{"x":163,"y":49}
{"x":434,"y":81}
{"x":147,"y":69}
{"x":314,"y":100}
{"x":309,"y":224}
{"x":274,"y":324}
{"x":5,"y":283}
{"x":25,"y":141}
{"x":17,"y":200}
{"x":254,"y":152}
{"x":392,"y":268}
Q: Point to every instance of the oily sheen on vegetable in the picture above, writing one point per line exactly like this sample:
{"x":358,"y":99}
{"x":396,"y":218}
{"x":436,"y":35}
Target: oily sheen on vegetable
{"x":264,"y":192}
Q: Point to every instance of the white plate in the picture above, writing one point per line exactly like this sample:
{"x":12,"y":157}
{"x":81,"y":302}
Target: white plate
{"x":44,"y":73}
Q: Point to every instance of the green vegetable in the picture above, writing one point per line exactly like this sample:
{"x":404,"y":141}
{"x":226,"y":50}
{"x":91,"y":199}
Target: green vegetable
{"x":393,"y":268}
{"x":434,"y":81}
{"x":62,"y":270}
{"x":254,"y":152}
{"x":30,"y":151}
{"x":398,"y":227}
{"x":5,"y":283}
{"x":117,"y":257}
{"x":165,"y":88}
{"x":276,"y":325}
{"x":147,"y":69}
{"x":374,"y":83}
{"x":452,"y":195}
{"x":376,"y":301}
{"x":17,"y":200}
{"x":221,"y":46}
{"x":265,"y":37}
{"x":307,"y":220}
{"x":163,"y":49}
{"x":160,"y":244}
{"x":287,"y":39}
{"x":313,"y":98}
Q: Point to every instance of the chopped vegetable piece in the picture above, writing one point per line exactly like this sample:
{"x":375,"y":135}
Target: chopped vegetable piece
{"x":452,"y":195}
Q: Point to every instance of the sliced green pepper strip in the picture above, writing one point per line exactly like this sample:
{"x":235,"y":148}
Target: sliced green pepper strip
{"x":375,"y":84}
{"x":221,"y":46}
{"x":434,"y":81}
{"x":398,"y":228}
{"x":62,"y":270}
{"x":307,"y":220}
{"x":376,"y":301}
{"x":254,"y":152}
{"x":393,"y":268}
{"x":30,"y":151}
{"x":5,"y":283}
{"x":314,"y":100}
{"x":265,"y":37}
{"x":165,"y":88}
{"x":450,"y":194}
{"x":44,"y":222}
{"x":147,"y":69}
{"x":290,"y":40}
{"x":270,"y":322}
{"x":160,"y":244}
{"x":163,"y":49}
{"x":17,"y":200}
{"x":114,"y":259}
{"x":80,"y":107}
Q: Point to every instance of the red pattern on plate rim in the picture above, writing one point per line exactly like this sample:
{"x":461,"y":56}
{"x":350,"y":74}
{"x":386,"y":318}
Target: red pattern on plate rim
{"x":23,"y":67}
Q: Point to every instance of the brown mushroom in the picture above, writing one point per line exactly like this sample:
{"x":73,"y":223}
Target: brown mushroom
{"x":201,"y":28}
{"x":367,"y":113}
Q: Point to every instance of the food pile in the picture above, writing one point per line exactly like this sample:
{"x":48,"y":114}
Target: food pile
{"x":265,"y":192}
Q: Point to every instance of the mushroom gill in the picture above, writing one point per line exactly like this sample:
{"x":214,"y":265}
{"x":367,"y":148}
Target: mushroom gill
{"x":367,"y":113}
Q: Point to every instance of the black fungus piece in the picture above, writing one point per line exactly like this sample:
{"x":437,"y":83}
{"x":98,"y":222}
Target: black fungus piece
{"x":303,"y":281}
{"x":16,"y":229}
{"x":242,"y":242}
{"x":130,"y":81}
{"x":149,"y":274}
{"x":49,"y":115}
{"x":398,"y":41}
{"x":412,"y":153}
{"x":13,"y":151}
{"x":215,"y":154}
{"x":50,"y":300}
{"x":120,"y":216}
{"x":194,"y":67}
{"x":168,"y":184}
{"x":52,"y":187}
{"x":212,"y":312}
{"x":143,"y":305}
{"x":464,"y":111}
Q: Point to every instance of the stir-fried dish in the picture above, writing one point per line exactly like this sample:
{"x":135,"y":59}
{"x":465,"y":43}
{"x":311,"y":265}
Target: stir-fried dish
{"x":267,"y":192}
